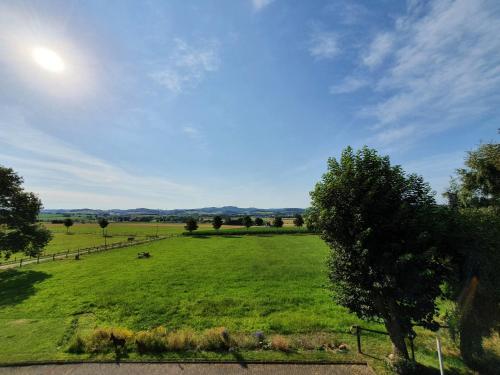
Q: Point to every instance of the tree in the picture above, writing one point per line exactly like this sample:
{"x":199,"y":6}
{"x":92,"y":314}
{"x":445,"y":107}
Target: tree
{"x":68,"y":223}
{"x":19,"y":209}
{"x":478,"y":184}
{"x":217,"y":222}
{"x":474,"y":243}
{"x":377,"y":222}
{"x":103,"y":223}
{"x":298,"y":221}
{"x":247,"y":221}
{"x":278,"y":222}
{"x":191,"y":224}
{"x":311,"y":218}
{"x":259,"y":221}
{"x":474,"y":237}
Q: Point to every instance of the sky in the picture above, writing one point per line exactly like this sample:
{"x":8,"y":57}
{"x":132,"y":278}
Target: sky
{"x":184,"y":104}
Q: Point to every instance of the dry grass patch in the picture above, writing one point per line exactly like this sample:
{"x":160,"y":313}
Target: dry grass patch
{"x":281,"y":343}
{"x":181,"y":340}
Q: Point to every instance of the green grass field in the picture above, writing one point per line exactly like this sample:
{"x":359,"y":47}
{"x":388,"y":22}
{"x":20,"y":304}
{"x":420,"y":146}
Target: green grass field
{"x":277,"y":284}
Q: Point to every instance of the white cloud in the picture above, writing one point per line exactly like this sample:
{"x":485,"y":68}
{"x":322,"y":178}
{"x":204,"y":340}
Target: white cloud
{"x":348,"y":85}
{"x":187,"y":65}
{"x":190,"y":131}
{"x":323,"y":45}
{"x":444,"y":68}
{"x":52,"y":166}
{"x":349,"y":12}
{"x":379,"y":49}
{"x":260,"y":4}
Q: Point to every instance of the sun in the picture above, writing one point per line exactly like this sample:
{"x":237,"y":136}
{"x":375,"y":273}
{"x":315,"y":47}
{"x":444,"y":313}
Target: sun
{"x":48,"y":59}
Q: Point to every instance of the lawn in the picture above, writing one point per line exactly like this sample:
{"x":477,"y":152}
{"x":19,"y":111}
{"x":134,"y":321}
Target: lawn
{"x":276,"y":284}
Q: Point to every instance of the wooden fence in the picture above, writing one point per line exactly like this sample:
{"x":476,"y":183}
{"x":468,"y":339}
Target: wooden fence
{"x":78,"y":252}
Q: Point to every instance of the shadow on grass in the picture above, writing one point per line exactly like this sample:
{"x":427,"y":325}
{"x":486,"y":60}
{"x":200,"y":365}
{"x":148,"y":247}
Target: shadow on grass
{"x":16,"y":286}
{"x":201,"y":236}
{"x":240,"y":359}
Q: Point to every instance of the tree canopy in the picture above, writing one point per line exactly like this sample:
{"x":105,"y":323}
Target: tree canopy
{"x":19,"y":209}
{"x":191,"y":224}
{"x":278,"y":222}
{"x":247,"y":221}
{"x":377,"y":221}
{"x":217,"y":222}
{"x":298,"y":220}
{"x":68,"y":223}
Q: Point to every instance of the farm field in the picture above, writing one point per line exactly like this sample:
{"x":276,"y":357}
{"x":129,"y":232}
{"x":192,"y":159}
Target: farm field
{"x":90,"y":234}
{"x":272,"y":283}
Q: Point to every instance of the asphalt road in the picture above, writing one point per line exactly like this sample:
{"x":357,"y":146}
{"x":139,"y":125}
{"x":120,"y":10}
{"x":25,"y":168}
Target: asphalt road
{"x":186,"y":369}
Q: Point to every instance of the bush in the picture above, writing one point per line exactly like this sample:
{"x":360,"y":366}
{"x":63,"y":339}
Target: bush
{"x":280,"y":343}
{"x":153,"y":341}
{"x":100,"y":340}
{"x":215,"y":339}
{"x":181,"y":340}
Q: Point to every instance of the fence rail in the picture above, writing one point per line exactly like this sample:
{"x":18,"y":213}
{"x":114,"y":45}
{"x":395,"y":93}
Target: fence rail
{"x":86,"y":250}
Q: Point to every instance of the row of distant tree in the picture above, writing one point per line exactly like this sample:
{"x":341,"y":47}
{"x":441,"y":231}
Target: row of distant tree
{"x":68,"y":223}
{"x":247,"y":221}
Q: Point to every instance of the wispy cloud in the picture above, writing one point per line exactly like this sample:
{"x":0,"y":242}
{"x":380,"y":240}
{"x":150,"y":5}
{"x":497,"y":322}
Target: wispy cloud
{"x":379,"y":49}
{"x":348,"y":85}
{"x":54,"y":166}
{"x":349,"y":12}
{"x":187,"y":65}
{"x":260,"y":4}
{"x":443,"y":67}
{"x":323,"y":45}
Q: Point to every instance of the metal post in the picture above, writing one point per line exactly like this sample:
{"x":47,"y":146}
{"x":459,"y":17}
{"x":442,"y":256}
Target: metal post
{"x":358,"y":337}
{"x":438,"y":344}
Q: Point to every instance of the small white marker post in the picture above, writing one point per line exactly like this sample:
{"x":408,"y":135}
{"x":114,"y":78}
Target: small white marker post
{"x":438,"y":344}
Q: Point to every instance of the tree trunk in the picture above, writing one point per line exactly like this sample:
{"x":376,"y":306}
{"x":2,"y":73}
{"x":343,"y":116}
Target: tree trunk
{"x":387,"y":310}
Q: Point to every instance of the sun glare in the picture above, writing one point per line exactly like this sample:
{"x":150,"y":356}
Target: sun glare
{"x":48,"y":59}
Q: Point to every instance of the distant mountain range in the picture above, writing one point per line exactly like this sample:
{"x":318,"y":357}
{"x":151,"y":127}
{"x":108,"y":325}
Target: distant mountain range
{"x":226,"y":210}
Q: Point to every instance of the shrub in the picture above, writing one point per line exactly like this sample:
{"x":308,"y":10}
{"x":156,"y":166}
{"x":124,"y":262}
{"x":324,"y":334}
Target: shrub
{"x":153,"y":341}
{"x":243,"y":341}
{"x":280,"y":343}
{"x":100,"y":342}
{"x":77,"y":345}
{"x":215,"y":339}
{"x":181,"y":340}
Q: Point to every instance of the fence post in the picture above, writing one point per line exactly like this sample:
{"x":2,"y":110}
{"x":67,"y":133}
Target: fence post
{"x":54,"y":256}
{"x":67,"y":251}
{"x":38,"y":259}
{"x":358,"y":338}
{"x":21,"y":262}
{"x":411,"y":336}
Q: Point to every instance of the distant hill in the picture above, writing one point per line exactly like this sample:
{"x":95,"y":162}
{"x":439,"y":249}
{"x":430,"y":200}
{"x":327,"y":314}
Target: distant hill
{"x":208,"y":211}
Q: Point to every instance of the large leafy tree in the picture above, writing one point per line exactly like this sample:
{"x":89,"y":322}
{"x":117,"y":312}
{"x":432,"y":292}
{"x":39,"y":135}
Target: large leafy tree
{"x":247,"y":221}
{"x":474,"y":241}
{"x":377,"y":221}
{"x":68,"y":223}
{"x":278,"y":222}
{"x":191,"y":224}
{"x":478,"y":184}
{"x":19,"y":209}
{"x":217,"y":222}
{"x":298,"y":220}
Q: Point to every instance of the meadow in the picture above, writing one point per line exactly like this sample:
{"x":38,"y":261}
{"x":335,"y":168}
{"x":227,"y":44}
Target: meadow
{"x":270,"y":283}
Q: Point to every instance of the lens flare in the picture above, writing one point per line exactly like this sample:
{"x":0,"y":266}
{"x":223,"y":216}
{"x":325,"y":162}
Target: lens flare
{"x":48,"y":59}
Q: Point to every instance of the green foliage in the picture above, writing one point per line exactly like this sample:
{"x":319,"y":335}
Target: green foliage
{"x":474,"y":282}
{"x":478,"y":184}
{"x":278,"y":222}
{"x":298,"y":220}
{"x":378,"y":222}
{"x":247,"y":221}
{"x":259,"y":221}
{"x":103,"y":223}
{"x":68,"y":223}
{"x":191,"y":224}
{"x":311,"y":218}
{"x":18,"y":213}
{"x":217,"y":222}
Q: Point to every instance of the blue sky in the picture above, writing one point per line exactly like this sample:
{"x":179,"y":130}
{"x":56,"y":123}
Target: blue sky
{"x":181,"y":104}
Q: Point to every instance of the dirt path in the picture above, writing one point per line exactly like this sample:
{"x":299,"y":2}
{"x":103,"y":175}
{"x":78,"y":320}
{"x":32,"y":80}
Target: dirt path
{"x":187,"y":369}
